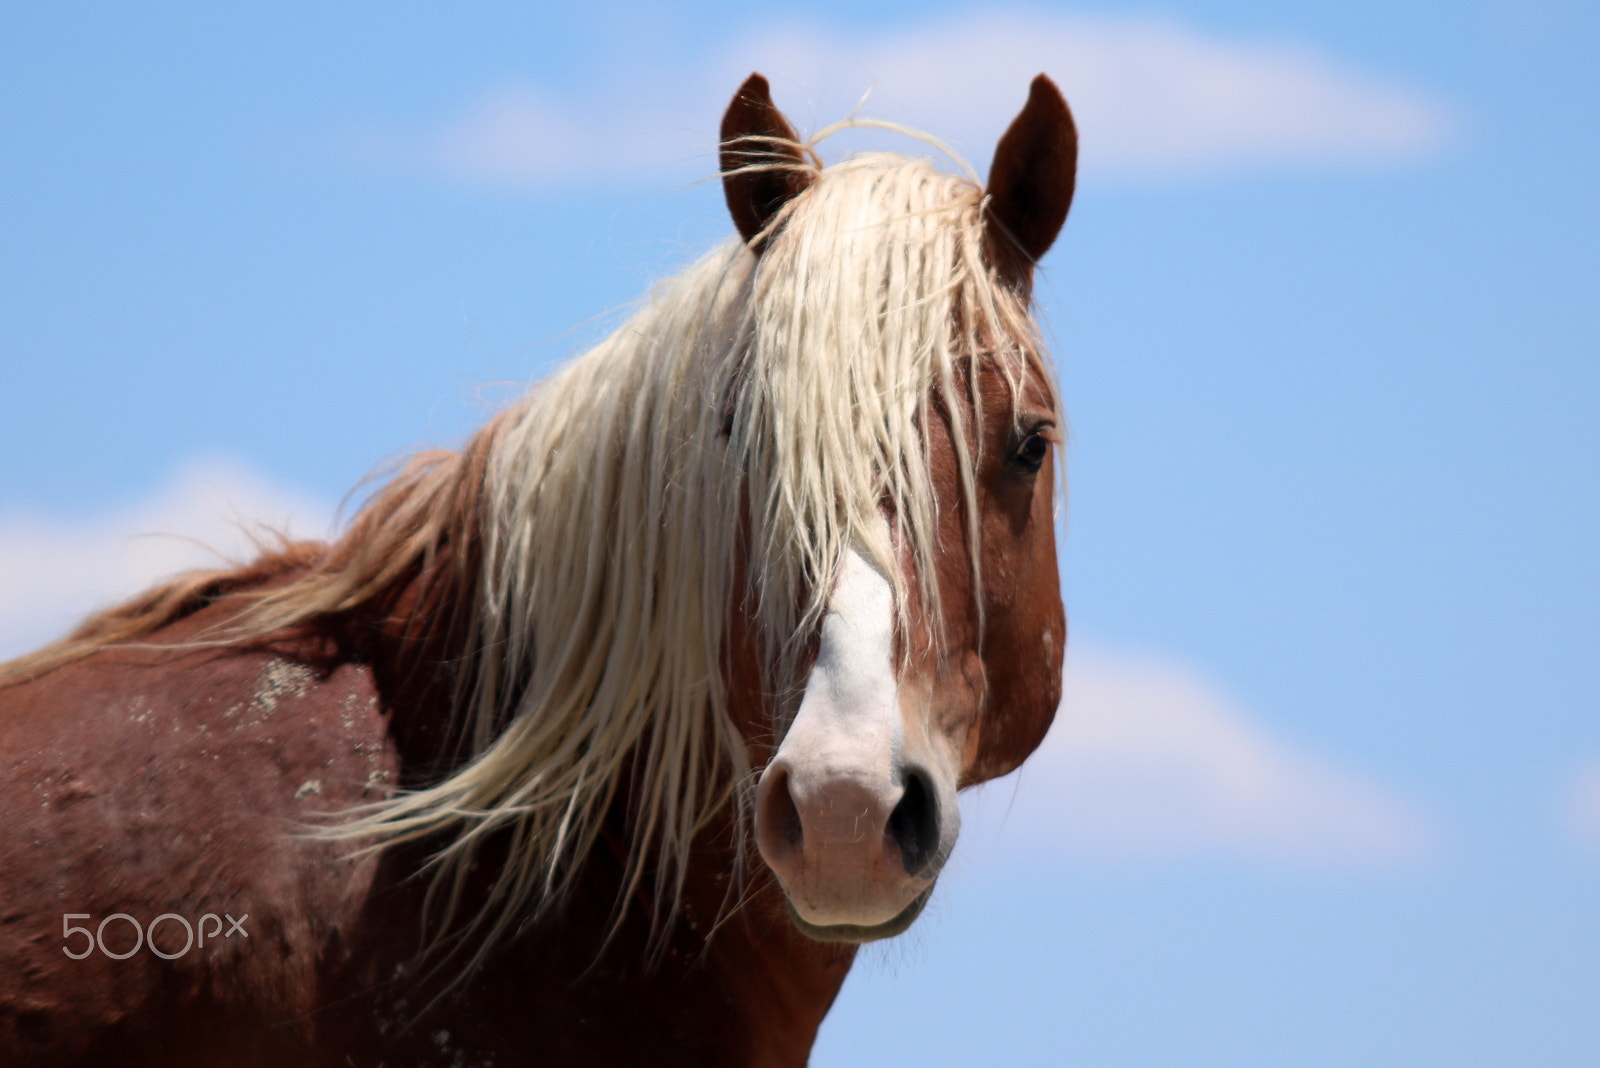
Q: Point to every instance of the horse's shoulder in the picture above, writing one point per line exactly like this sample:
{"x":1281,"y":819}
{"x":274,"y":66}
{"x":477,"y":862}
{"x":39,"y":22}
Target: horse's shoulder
{"x":174,"y":778}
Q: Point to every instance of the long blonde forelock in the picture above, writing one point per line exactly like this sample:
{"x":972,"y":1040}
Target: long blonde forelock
{"x":851,"y":324}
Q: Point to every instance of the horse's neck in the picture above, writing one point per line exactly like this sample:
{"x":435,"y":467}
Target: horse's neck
{"x":784,"y":982}
{"x":731,"y":940}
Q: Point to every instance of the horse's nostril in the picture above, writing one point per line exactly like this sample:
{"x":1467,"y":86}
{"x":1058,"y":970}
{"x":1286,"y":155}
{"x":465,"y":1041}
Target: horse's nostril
{"x":914,"y":823}
{"x":778,"y":820}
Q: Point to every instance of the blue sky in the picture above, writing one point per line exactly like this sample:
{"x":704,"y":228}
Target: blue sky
{"x":1326,"y":786}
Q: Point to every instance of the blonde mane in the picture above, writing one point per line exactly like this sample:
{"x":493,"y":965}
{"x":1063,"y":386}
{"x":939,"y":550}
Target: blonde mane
{"x":758,"y":412}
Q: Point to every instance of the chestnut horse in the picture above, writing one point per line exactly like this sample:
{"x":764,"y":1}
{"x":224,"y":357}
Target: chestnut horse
{"x":478,"y":782}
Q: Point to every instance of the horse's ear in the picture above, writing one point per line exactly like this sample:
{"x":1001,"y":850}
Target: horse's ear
{"x":762,"y":165}
{"x":1031,"y":181}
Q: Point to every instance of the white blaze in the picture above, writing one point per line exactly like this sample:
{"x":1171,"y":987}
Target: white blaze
{"x":849,"y":721}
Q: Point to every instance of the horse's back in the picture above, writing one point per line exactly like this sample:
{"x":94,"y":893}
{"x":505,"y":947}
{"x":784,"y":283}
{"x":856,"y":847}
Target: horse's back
{"x":174,"y":783}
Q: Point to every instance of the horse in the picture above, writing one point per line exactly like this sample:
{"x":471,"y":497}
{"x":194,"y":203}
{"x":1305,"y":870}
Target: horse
{"x":609,"y":737}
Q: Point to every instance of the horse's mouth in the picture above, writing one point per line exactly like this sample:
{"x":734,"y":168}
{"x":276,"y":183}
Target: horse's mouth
{"x":853,"y":933}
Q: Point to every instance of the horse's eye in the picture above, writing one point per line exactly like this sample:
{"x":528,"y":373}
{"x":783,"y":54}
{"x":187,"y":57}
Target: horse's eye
{"x":1031,"y":453}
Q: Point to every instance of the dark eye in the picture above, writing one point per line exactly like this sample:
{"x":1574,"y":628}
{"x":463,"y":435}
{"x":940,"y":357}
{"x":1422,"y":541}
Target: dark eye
{"x":1031,"y":453}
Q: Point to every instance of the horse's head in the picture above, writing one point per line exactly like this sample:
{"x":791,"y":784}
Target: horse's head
{"x":933,"y":661}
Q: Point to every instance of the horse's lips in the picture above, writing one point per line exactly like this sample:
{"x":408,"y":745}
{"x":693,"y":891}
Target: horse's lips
{"x":854,"y":933}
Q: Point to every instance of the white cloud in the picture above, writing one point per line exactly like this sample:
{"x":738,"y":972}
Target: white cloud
{"x":1149,"y":760}
{"x":1583,"y":805}
{"x":1152,"y":96}
{"x":53,"y":571}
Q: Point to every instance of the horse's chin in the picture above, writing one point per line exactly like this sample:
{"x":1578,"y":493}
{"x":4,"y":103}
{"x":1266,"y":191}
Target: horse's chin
{"x":854,"y":933}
